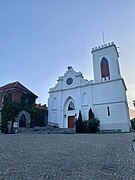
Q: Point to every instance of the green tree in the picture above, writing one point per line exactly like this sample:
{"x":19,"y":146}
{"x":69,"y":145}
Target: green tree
{"x":91,"y":114}
{"x":37,"y":116}
{"x":93,"y":123}
{"x":8,"y":113}
{"x":79,"y":124}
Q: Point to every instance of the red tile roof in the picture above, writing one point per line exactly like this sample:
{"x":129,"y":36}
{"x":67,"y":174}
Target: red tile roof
{"x":16,"y":85}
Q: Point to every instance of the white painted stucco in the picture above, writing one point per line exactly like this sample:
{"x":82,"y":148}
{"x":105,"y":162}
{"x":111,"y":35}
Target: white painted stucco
{"x":98,"y":94}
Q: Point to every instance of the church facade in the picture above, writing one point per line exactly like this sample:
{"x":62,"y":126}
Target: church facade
{"x":105,"y":95}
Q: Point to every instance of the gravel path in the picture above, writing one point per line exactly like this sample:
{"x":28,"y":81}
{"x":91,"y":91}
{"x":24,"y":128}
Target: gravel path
{"x":67,"y":157}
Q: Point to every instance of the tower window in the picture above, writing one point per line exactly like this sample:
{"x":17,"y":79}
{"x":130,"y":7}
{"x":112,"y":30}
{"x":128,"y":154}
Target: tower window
{"x":108,"y":111}
{"x":105,"y":74}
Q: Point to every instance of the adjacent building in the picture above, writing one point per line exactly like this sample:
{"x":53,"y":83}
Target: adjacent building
{"x":16,"y":91}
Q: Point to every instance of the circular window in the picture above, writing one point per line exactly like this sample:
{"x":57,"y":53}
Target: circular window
{"x":69,"y":81}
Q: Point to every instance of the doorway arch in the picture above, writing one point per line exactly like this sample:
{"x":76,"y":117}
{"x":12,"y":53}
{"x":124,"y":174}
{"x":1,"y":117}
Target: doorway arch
{"x":22,"y":121}
{"x":69,"y":113}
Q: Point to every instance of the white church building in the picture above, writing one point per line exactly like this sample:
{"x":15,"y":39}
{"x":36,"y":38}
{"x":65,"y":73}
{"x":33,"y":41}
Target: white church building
{"x":105,"y":95}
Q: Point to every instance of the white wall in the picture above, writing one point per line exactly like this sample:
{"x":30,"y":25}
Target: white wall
{"x":111,"y":54}
{"x":109,"y":91}
{"x":118,"y":119}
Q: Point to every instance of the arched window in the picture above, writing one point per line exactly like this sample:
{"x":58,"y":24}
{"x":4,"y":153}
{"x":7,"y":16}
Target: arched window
{"x":105,"y":74}
{"x":6,"y":98}
{"x":54,"y":102}
{"x":3,"y":98}
{"x":84,"y":98}
{"x":71,"y":106}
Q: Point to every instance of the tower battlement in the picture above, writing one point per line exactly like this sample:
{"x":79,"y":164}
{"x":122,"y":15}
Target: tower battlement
{"x":102,"y":46}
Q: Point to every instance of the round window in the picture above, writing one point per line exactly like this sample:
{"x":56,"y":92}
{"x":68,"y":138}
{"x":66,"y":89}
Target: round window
{"x":69,"y":81}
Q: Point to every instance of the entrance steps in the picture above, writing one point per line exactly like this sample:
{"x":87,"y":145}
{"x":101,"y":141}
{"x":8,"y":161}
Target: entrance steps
{"x":47,"y":130}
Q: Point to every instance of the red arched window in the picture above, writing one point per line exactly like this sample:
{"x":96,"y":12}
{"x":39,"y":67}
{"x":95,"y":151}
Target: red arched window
{"x":105,"y":69}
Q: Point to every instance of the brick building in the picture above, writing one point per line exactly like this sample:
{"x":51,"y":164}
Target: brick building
{"x":15,"y":91}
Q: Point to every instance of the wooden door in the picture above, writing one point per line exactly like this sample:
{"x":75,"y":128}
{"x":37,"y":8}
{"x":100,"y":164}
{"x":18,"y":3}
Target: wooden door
{"x":71,"y":121}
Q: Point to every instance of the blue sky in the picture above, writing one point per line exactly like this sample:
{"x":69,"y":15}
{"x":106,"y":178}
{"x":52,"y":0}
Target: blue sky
{"x":40,"y":38}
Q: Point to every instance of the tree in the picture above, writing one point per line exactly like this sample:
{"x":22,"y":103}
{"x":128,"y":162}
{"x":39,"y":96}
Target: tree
{"x":8,"y":113}
{"x":37,"y":116}
{"x":79,"y":124}
{"x":91,"y":114}
{"x":89,"y":126}
{"x":93,"y":123}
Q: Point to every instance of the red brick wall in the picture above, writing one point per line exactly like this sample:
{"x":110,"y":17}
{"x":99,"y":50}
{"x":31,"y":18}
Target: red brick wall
{"x":16,"y":96}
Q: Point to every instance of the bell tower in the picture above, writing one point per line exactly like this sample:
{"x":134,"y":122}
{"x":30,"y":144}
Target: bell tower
{"x":105,"y":62}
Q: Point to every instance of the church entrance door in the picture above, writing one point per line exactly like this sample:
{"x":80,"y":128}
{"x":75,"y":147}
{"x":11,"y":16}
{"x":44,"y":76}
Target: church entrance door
{"x":71,"y":121}
{"x":22,"y":121}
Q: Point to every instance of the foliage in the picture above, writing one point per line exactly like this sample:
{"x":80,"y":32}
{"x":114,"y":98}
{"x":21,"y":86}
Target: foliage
{"x":85,"y":126}
{"x":11,"y":109}
{"x":79,"y":125}
{"x":133,"y":123}
{"x":89,"y":126}
{"x":93,"y":125}
{"x":7,"y":98}
{"x":91,"y":114}
{"x":27,"y":100}
{"x":37,"y":116}
{"x":8,"y":113}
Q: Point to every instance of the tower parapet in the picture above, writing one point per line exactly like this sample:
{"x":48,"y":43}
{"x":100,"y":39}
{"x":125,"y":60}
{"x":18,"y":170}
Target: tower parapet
{"x":105,"y":62}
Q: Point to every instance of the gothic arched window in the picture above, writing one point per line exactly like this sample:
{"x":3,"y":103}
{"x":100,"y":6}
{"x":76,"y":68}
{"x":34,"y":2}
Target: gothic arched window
{"x":71,"y":106}
{"x":54,"y":102}
{"x":84,"y":98}
{"x":105,"y":69}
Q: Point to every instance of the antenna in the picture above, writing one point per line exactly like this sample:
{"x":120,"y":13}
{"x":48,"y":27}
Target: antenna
{"x":103,"y":36}
{"x":93,"y":43}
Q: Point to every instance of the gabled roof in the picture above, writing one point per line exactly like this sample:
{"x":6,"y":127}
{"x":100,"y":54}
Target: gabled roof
{"x":70,"y":69}
{"x":72,"y":74}
{"x":18,"y":86}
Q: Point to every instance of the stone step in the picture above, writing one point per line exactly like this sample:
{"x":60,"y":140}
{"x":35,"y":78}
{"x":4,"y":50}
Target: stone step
{"x":47,"y":130}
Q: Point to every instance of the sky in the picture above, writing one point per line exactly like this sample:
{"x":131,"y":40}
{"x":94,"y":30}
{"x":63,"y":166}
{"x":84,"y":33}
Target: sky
{"x":40,"y":38}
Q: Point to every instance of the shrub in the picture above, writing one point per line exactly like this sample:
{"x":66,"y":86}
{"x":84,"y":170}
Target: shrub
{"x":79,"y":125}
{"x":91,"y":114}
{"x":89,"y":126}
{"x":93,"y":125}
{"x":37,"y":116}
{"x":85,"y":126}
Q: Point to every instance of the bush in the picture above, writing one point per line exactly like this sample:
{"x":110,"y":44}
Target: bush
{"x":89,"y":126}
{"x":8,"y":113}
{"x":79,"y":125}
{"x":37,"y":117}
{"x":85,"y":126}
{"x":93,"y":125}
